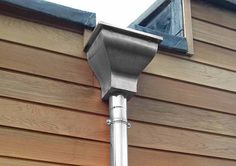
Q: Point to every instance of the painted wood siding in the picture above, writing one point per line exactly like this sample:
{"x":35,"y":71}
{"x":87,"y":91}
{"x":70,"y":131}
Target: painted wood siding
{"x":51,"y":113}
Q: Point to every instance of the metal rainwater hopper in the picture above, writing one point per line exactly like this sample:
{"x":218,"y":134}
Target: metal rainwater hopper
{"x":118,"y":56}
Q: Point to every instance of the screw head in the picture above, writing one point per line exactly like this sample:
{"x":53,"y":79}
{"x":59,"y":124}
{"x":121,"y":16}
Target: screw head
{"x":128,"y":125}
{"x":108,"y":122}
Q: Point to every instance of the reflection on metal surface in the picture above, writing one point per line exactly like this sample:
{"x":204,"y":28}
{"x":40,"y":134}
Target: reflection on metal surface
{"x":118,"y":56}
{"x":118,"y":131}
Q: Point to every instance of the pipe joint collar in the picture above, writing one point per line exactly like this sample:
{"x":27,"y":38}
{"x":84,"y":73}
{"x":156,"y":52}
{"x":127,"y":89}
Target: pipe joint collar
{"x":110,"y":122}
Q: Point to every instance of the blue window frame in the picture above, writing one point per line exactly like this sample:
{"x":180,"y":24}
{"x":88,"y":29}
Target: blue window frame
{"x":164,"y":18}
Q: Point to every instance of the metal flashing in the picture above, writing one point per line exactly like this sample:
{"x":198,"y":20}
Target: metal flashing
{"x":39,"y":9}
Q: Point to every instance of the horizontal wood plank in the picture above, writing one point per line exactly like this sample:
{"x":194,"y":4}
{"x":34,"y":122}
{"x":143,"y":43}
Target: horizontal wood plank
{"x":30,"y":60}
{"x":36,"y":146}
{"x":60,"y":121}
{"x":77,"y":124}
{"x":210,"y":55}
{"x":65,"y":122}
{"x":41,"y":36}
{"x":158,"y":137}
{"x":206,"y":74}
{"x":84,"y":98}
{"x":159,"y":112}
{"x":141,"y":157}
{"x":214,"y":34}
{"x":148,"y":157}
{"x":70,"y":47}
{"x":44,"y":63}
{"x":185,"y":93}
{"x":82,"y":152}
{"x":213,"y":14}
{"x":51,"y":92}
{"x":177,"y":68}
{"x":213,"y":55}
{"x":66,"y":95}
{"x":9,"y":161}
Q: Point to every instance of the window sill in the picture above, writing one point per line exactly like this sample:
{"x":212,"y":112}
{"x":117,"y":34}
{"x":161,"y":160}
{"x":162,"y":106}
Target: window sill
{"x":170,"y":43}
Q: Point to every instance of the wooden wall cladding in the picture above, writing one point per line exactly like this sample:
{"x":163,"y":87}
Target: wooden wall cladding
{"x":52,"y":92}
{"x":140,"y":109}
{"x":52,"y":148}
{"x":93,"y":127}
{"x":163,"y":158}
{"x":177,"y":68}
{"x":84,"y":152}
{"x":185,"y":93}
{"x":211,"y":33}
{"x":10,"y":161}
{"x":55,"y":120}
{"x":51,"y":113}
{"x":22,"y":58}
{"x":175,"y":115}
{"x":66,"y":95}
{"x":152,"y":158}
{"x":41,"y":36}
{"x":215,"y":56}
{"x":209,"y":13}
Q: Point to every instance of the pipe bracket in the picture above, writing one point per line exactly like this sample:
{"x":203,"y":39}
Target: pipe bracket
{"x":110,"y":122}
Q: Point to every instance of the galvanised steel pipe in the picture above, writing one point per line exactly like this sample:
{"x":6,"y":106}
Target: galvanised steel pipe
{"x":118,"y":130}
{"x":118,"y":56}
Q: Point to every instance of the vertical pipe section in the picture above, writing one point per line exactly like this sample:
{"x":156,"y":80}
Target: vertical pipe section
{"x":118,"y":130}
{"x":118,"y":56}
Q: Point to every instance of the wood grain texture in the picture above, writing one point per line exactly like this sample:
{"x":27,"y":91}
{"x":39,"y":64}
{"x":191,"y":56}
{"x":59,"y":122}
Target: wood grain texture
{"x":41,"y":36}
{"x":181,"y":69}
{"x":213,"y":14}
{"x":84,"y":98}
{"x":9,"y":161}
{"x":152,"y":158}
{"x":77,"y":124}
{"x":60,"y":121}
{"x":210,"y":55}
{"x":140,"y":135}
{"x":65,"y":122}
{"x":70,"y":47}
{"x":158,"y":137}
{"x":44,"y":63}
{"x":141,"y":157}
{"x":214,"y":34}
{"x":22,"y":58}
{"x":158,"y":112}
{"x":213,"y":55}
{"x":36,"y":146}
{"x":50,"y":92}
{"x":86,"y":35}
{"x":83,"y":152}
{"x":185,"y":93}
{"x":53,"y":120}
{"x":205,"y":74}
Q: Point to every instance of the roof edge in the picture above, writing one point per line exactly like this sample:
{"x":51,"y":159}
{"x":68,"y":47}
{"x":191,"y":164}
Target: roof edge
{"x":49,"y":13}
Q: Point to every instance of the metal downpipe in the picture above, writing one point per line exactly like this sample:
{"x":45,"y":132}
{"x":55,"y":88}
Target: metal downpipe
{"x":118,"y":130}
{"x":118,"y":56}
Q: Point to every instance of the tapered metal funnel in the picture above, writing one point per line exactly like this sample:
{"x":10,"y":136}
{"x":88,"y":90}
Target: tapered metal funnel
{"x":118,"y":56}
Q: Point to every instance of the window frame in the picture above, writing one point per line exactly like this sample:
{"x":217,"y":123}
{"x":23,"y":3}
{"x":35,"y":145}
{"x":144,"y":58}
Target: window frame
{"x":187,"y":21}
{"x":171,"y":43}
